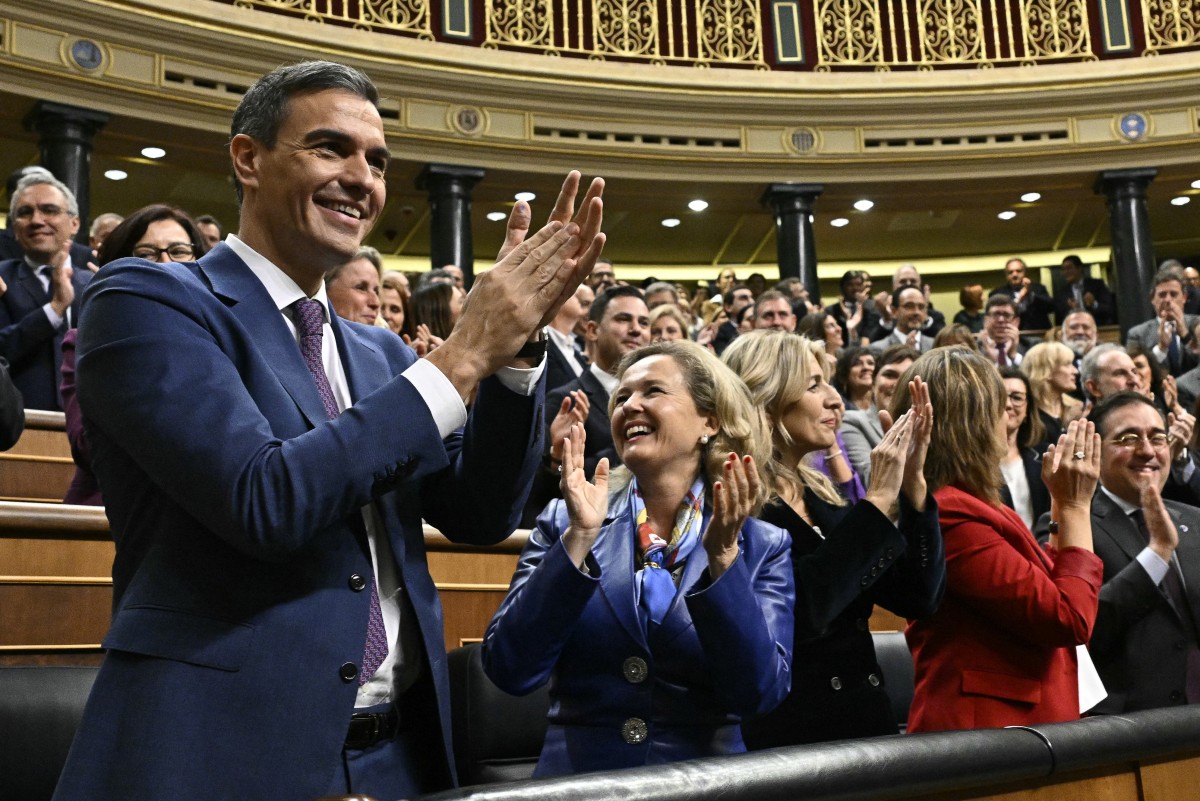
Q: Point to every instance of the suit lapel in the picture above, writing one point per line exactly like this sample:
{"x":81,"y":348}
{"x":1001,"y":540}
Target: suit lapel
{"x":1116,"y":524}
{"x":597,"y":395}
{"x":251,"y":304}
{"x":614,"y":553}
{"x":364,"y":365}
{"x":32,"y":285}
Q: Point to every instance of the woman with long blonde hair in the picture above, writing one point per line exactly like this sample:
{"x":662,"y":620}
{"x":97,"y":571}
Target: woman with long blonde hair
{"x":846,"y":558}
{"x":1053,"y":375}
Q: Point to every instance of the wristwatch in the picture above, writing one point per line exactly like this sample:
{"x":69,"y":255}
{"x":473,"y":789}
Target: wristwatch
{"x":535,"y":349}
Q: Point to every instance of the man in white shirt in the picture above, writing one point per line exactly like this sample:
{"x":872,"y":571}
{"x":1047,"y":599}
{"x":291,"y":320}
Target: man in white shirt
{"x":267,"y":466}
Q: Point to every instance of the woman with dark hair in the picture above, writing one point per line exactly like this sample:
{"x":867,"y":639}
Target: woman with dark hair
{"x":822,"y":326}
{"x":433,"y":311}
{"x":1025,"y":435}
{"x":971,"y":314}
{"x":1003,"y":649}
{"x":393,"y":301}
{"x":854,"y":377}
{"x":1156,"y":383}
{"x":158,"y":233}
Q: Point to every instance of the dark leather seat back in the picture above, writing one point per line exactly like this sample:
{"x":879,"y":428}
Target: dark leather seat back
{"x":497,"y":736}
{"x":891,"y":649}
{"x":40,"y":708}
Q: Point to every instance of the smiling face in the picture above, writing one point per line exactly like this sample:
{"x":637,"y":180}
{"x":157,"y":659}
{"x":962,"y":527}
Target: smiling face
{"x":812,"y":419}
{"x":43,"y":223}
{"x":1014,"y":271}
{"x":911,"y":310}
{"x":665,"y":328}
{"x":624,"y":328}
{"x":862,"y":374}
{"x":391,"y":309}
{"x":886,"y":380}
{"x":1016,"y":405}
{"x":1063,"y":377}
{"x":355,"y":292}
{"x":1115,"y":372}
{"x":656,"y":426}
{"x":833,"y":334}
{"x":775,"y":314}
{"x":1145,"y":375}
{"x":312,"y":197}
{"x":160,"y":238}
{"x":1125,"y":469}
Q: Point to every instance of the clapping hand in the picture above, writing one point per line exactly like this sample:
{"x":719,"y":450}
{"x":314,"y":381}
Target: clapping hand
{"x":733,"y":498}
{"x":574,"y":409}
{"x":1071,"y":466}
{"x":587,"y":501}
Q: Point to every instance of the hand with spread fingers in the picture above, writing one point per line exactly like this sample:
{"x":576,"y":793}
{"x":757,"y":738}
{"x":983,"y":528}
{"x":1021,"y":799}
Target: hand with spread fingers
{"x":574,"y":410}
{"x":587,"y":501}
{"x":733,"y":498}
{"x":534,"y":276}
{"x":1071,"y":466}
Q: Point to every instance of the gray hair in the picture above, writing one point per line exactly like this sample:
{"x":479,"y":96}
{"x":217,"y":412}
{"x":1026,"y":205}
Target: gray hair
{"x":106,"y":217}
{"x":1090,"y":366}
{"x":265,"y":104}
{"x":662,"y":286}
{"x":35,"y":178}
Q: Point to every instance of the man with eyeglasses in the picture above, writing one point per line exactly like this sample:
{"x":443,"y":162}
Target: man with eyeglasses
{"x":1001,"y":341}
{"x":41,"y":300}
{"x":81,"y":254}
{"x":910,"y":311}
{"x":905,"y":275}
{"x":1145,"y":643}
{"x":1033,"y":302}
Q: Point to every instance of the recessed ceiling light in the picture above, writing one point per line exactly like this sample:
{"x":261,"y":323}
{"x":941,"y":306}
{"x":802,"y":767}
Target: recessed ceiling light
{"x":1182,"y":200}
{"x":1196,"y":184}
{"x":698,"y":205}
{"x":1031,"y":197}
{"x":864,"y":204}
{"x":528,"y":197}
{"x":496,"y":216}
{"x":1007,"y":215}
{"x":839,"y":222}
{"x":116,"y":175}
{"x":153,"y":152}
{"x":670,"y":222}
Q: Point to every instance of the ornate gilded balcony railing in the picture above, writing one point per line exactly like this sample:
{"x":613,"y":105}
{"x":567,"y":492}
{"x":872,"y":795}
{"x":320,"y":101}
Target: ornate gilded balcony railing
{"x":702,"y":32}
{"x":823,"y":35}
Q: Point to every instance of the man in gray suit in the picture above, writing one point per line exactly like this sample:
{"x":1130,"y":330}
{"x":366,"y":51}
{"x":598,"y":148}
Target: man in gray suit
{"x":861,"y":429}
{"x":910,"y":311}
{"x":1168,"y":334}
{"x":1145,"y":642}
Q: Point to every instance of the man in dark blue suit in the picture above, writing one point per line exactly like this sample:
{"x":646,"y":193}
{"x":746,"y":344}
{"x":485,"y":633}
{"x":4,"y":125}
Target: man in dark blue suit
{"x":41,"y":289}
{"x":266,"y":468}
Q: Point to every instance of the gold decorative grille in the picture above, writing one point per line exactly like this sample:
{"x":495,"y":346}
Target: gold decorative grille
{"x":1170,"y":24}
{"x":703,"y":32}
{"x":393,"y":16}
{"x":931,"y":33}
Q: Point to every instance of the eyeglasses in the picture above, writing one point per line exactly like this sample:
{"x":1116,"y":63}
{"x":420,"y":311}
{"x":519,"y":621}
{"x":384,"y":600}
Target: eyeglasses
{"x":48,"y":210}
{"x":1017,"y":398}
{"x":176,"y":251}
{"x":1002,"y":317}
{"x":1157,"y":441}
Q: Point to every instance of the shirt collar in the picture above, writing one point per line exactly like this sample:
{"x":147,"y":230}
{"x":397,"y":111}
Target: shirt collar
{"x":1125,"y":507}
{"x":609,"y":382}
{"x":279,"y":285}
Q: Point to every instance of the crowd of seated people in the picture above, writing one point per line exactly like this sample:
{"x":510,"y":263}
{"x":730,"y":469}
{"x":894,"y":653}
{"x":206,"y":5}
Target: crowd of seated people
{"x":734,"y":477}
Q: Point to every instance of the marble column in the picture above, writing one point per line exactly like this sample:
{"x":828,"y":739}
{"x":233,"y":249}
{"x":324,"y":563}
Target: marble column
{"x":792,"y":205}
{"x":449,"y":189}
{"x":1132,"y":247}
{"x":65,"y":135}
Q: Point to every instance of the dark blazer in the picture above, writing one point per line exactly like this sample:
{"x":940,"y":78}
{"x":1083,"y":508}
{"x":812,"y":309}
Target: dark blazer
{"x":12,"y":410}
{"x":722,"y":652}
{"x":239,"y":616}
{"x":1039,"y":496}
{"x":1146,"y":333}
{"x":1035,"y":309}
{"x":1141,"y":641}
{"x":838,"y":688}
{"x":1000,"y":650}
{"x":558,"y":371}
{"x":597,"y":426}
{"x":1105,"y":311}
{"x":27,"y":340}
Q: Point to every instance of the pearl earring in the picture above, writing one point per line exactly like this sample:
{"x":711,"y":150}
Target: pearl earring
{"x":704,"y":439}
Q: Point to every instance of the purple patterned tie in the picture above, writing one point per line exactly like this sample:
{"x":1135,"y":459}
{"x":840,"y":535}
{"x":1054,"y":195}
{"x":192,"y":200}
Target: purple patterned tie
{"x":309,"y":316}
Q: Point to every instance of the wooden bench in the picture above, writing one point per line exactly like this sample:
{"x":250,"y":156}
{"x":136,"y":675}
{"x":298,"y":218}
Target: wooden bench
{"x":39,"y":467}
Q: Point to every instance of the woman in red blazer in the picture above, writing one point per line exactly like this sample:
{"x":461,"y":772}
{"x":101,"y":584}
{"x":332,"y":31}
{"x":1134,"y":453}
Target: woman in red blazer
{"x":1001,"y":649}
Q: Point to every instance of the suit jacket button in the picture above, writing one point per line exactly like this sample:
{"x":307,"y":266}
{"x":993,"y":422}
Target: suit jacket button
{"x":635,"y":670}
{"x":348,"y":672}
{"x":873,"y":680}
{"x":835,"y":683}
{"x":634,"y":730}
{"x":357,"y":582}
{"x":864,"y":581}
{"x":874,"y":572}
{"x":889,"y":553}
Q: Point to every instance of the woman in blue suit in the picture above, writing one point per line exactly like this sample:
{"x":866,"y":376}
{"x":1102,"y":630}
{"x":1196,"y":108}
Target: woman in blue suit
{"x":657,"y":608}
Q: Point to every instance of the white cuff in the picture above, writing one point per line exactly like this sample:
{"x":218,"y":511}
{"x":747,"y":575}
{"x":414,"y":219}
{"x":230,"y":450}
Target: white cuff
{"x":449,"y":413}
